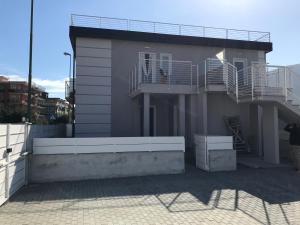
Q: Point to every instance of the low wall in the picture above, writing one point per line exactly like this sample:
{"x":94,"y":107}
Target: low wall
{"x":215,"y":153}
{"x":63,"y":159}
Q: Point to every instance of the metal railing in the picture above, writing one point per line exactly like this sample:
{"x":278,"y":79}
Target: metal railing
{"x":221,"y":72}
{"x":256,"y":82}
{"x":164,"y":72}
{"x":168,"y":28}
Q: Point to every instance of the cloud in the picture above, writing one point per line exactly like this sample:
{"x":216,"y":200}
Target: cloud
{"x":53,"y":87}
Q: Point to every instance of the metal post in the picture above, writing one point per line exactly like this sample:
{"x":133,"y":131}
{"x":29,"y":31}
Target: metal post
{"x":179,"y":29}
{"x":236,"y":85}
{"x":30,"y":65}
{"x":153,"y":27}
{"x":248,"y":35}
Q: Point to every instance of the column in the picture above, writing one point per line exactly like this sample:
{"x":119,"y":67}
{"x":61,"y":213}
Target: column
{"x":255,"y":129}
{"x":146,"y":112}
{"x":181,"y":107}
{"x":270,"y":133}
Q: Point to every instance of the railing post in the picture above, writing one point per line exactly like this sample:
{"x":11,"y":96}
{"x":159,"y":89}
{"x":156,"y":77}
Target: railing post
{"x":127,"y":22}
{"x":236,"y":85}
{"x":153,"y":27}
{"x":100,"y":22}
{"x":179,"y":29}
{"x":226,"y":33}
{"x":203,"y":31}
{"x":249,"y":36}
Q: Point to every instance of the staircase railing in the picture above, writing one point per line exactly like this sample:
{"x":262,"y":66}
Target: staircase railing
{"x":221,"y":72}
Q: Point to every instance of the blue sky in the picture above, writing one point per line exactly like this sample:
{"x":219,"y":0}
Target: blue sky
{"x":52,"y":17}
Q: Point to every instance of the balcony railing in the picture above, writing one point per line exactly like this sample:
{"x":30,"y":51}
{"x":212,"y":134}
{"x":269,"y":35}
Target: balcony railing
{"x":168,"y":28}
{"x":256,"y":82}
{"x":167,"y":73}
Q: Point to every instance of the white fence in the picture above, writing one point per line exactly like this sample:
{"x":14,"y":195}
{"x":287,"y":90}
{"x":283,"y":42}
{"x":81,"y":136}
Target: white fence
{"x":50,"y":146}
{"x":17,"y":139}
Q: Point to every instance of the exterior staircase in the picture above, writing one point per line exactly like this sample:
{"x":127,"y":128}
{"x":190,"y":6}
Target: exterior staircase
{"x":234,"y":126}
{"x":258,"y":83}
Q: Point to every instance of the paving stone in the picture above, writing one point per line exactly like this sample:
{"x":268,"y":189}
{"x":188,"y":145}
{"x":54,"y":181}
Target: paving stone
{"x":246,"y":196}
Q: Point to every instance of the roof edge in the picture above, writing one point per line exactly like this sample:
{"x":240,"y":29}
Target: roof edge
{"x":75,"y":32}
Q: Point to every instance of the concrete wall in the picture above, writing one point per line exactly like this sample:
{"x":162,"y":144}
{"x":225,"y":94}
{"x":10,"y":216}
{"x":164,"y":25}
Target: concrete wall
{"x":45,"y":168}
{"x":220,"y":105}
{"x":93,"y":87}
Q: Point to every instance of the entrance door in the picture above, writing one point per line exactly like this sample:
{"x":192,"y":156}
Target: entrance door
{"x":240,"y":65}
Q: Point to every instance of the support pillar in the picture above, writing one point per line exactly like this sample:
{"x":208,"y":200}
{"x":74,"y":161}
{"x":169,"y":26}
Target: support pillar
{"x":146,"y":112}
{"x":256,"y":129}
{"x":181,"y":107}
{"x":270,"y":133}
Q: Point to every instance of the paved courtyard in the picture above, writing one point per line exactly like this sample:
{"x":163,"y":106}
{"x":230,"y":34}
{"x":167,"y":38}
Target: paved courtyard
{"x":247,"y":196}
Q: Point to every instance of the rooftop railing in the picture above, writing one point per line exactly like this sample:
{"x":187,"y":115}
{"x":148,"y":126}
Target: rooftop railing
{"x":168,"y":28}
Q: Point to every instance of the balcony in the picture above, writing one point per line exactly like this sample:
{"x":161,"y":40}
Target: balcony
{"x":168,"y":28}
{"x":164,"y":77}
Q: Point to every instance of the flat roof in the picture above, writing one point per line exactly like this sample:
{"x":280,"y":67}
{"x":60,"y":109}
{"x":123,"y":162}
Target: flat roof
{"x":91,"y":32}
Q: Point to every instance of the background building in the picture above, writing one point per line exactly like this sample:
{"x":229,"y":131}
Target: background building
{"x":13,"y":103}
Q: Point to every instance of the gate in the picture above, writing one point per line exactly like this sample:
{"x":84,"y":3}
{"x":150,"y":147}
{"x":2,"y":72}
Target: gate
{"x":12,"y":159}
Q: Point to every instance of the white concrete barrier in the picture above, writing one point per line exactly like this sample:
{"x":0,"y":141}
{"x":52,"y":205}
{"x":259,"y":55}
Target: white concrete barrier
{"x":60,"y":159}
{"x":215,"y":153}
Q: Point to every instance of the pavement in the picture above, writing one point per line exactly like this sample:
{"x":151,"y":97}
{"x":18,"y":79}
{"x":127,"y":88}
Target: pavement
{"x":246,"y":196}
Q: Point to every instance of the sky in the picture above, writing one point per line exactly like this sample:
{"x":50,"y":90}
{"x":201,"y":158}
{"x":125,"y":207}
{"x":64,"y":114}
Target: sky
{"x":52,"y":19}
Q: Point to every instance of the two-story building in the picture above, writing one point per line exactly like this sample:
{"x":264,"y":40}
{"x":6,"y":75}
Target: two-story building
{"x":141,"y":78}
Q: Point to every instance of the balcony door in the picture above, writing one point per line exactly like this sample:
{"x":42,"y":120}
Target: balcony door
{"x":241,"y":65}
{"x":147,"y":67}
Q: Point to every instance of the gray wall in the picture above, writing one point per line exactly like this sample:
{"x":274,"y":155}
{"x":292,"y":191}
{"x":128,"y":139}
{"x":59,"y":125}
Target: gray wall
{"x":47,"y":168}
{"x":93,"y":87}
{"x":119,"y":115}
{"x":220,"y":105}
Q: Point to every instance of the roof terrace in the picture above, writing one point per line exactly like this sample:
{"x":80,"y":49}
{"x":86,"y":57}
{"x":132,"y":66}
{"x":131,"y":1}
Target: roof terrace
{"x":168,"y":28}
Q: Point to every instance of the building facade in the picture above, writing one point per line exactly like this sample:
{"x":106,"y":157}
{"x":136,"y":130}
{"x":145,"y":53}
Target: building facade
{"x":13,"y":98}
{"x":137,"y":78}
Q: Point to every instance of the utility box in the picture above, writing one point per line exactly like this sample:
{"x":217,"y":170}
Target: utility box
{"x":215,"y":153}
